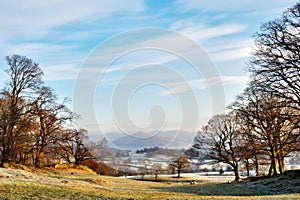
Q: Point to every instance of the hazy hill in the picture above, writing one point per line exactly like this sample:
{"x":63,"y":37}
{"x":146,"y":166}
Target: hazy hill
{"x":166,"y":139}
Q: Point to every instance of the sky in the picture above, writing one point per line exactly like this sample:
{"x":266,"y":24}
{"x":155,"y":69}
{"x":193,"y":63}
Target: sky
{"x":138,"y":65}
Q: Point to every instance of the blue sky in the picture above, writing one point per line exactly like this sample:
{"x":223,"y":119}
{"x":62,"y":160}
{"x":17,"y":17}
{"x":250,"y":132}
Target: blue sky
{"x":62,"y":36}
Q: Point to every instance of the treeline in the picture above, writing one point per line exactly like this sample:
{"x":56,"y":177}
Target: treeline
{"x":147,"y":150}
{"x":262,"y":127}
{"x":36,"y":129}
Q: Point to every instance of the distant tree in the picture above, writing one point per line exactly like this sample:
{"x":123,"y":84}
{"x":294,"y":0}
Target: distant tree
{"x":103,"y":143}
{"x":125,"y":166}
{"x":144,"y":169}
{"x":101,"y":149}
{"x":191,"y":152}
{"x":180,"y":164}
{"x":157,"y":169}
{"x":221,"y":171}
{"x":221,"y":141}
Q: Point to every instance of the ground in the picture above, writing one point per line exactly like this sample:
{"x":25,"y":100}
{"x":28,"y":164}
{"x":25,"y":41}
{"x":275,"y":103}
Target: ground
{"x":84,"y":184}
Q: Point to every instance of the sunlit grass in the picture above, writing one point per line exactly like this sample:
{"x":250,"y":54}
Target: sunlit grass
{"x":64,"y":185}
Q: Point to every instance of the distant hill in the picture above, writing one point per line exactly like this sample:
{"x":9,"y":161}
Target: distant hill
{"x":111,"y":136}
{"x":166,"y":139}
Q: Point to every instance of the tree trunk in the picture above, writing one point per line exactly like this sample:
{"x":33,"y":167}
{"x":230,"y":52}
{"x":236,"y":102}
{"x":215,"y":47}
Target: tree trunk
{"x":274,"y":163}
{"x":178,"y":176}
{"x":5,"y":158}
{"x":38,"y":159}
{"x":77,"y":161}
{"x":271,"y":170}
{"x":236,"y":171}
{"x":248,"y":167}
{"x":256,"y":165}
{"x":281,"y":163}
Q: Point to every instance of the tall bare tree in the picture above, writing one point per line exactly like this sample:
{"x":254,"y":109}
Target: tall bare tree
{"x":222,"y":141}
{"x":51,"y":118}
{"x":275,"y":62}
{"x":272,"y":128}
{"x":25,"y":77}
{"x":75,"y":148}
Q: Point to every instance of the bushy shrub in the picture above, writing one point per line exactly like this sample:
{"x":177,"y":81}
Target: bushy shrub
{"x":100,"y":167}
{"x":92,"y":164}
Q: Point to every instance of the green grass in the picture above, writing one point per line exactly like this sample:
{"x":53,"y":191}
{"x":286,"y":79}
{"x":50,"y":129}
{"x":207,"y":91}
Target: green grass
{"x":59,"y":184}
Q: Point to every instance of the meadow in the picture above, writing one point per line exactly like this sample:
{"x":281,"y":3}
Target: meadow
{"x":84,"y":184}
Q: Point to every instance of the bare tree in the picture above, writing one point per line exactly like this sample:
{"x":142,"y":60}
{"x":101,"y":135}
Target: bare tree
{"x":144,"y":169}
{"x":101,"y":149}
{"x":271,"y":126}
{"x":51,"y":118}
{"x":24,"y":79}
{"x":275,"y":62}
{"x":157,"y":169}
{"x":126,"y":166}
{"x":32,"y":123}
{"x":75,"y":147}
{"x":270,"y":105}
{"x":20,"y":147}
{"x":222,"y":141}
{"x":192,"y":152}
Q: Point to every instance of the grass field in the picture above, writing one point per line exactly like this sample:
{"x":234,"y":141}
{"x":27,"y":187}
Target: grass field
{"x":82,"y":184}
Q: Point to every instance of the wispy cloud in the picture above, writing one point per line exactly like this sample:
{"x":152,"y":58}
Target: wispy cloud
{"x":60,"y":34}
{"x":221,"y":46}
{"x":231,"y":54}
{"x":226,"y":50}
{"x":202,"y":32}
{"x":60,"y":72}
{"x":201,"y":84}
{"x":232,"y":5}
{"x":34,"y":49}
{"x":34,"y":18}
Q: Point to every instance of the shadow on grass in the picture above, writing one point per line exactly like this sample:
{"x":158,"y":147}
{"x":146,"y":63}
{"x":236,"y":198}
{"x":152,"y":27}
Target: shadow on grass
{"x":267,"y":186}
{"x":165,"y":180}
{"x":214,"y":190}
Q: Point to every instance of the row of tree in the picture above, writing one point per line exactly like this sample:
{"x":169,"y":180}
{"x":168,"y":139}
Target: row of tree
{"x":33,"y":125}
{"x":262,"y":127}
